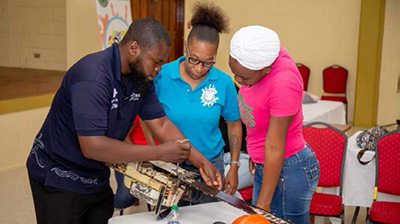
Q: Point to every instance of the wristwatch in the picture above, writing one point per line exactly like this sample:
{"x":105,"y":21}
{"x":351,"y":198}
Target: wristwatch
{"x":235,"y":163}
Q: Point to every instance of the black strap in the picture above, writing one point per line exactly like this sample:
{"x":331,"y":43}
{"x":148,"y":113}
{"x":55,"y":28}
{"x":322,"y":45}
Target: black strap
{"x":360,"y":155}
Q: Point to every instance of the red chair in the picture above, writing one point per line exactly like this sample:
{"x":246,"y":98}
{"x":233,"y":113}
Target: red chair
{"x":387,"y":179}
{"x":246,"y":193}
{"x":329,"y":145}
{"x":334,"y":83}
{"x":305,"y":74}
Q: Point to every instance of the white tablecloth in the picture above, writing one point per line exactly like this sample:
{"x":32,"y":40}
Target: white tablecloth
{"x":358,"y":179}
{"x":326,"y":111}
{"x":204,"y":213}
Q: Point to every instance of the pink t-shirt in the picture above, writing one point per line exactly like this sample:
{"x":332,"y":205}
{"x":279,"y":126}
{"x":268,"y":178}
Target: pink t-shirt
{"x":278,"y":94}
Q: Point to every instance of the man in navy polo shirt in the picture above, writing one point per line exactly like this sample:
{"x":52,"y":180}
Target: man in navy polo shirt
{"x":89,"y":118}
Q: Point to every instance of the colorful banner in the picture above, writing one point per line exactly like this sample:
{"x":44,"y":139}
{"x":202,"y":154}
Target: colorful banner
{"x":114,"y":18}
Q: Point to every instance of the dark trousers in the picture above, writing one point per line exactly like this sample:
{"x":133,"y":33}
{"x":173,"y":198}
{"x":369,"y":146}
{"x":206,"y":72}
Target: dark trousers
{"x":56,"y":206}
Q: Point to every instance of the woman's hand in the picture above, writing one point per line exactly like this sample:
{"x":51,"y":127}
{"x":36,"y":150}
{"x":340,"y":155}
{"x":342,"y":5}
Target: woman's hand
{"x":266,"y":207}
{"x":252,"y":168}
{"x":211,"y":175}
{"x":231,"y":180}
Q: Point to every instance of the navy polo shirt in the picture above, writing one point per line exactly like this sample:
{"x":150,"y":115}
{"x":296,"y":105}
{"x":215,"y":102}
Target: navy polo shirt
{"x":90,"y":102}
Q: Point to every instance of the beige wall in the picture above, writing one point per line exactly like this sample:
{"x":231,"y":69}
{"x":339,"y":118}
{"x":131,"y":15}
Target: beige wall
{"x":83,"y":35}
{"x":47,"y":27}
{"x":389,"y":97}
{"x":316,"y":33}
{"x":17,"y":133}
{"x":28,"y":27}
{"x":18,"y":129}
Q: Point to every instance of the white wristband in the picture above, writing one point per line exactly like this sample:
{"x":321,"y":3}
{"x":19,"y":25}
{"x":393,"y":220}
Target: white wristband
{"x":235,"y":163}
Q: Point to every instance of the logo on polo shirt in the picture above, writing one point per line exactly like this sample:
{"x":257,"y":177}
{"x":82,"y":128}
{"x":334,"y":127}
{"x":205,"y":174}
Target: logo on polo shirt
{"x":38,"y":144}
{"x":134,"y":97}
{"x":114,"y":101}
{"x":208,"y":97}
{"x":246,"y":112}
{"x":73,"y":176}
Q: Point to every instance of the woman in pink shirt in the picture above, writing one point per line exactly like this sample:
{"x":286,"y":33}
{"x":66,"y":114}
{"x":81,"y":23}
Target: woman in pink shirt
{"x":286,"y":171}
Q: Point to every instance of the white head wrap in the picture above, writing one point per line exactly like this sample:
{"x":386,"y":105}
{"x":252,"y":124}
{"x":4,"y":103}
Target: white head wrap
{"x":255,"y":47}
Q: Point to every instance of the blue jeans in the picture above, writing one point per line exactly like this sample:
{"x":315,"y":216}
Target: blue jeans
{"x":197,"y":197}
{"x":122,"y":198}
{"x":297,"y":183}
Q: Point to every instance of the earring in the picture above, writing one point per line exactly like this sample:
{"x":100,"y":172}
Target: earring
{"x":268,"y":69}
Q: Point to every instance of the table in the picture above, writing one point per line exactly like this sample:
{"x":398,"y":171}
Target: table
{"x":358,"y":179}
{"x":204,"y":213}
{"x":332,"y":112}
{"x":342,"y":127}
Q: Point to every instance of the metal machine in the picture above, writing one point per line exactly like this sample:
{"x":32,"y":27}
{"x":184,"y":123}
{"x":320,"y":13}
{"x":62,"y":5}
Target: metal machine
{"x":163,"y":184}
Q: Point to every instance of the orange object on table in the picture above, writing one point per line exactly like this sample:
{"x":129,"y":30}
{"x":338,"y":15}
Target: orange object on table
{"x":251,"y":219}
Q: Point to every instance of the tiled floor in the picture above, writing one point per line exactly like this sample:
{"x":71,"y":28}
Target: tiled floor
{"x":16,"y":205}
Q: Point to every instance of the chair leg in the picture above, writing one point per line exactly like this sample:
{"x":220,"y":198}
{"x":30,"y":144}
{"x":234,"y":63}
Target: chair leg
{"x":367,"y":221}
{"x":355,"y":215}
{"x":312,"y":219}
{"x":121,"y":212}
{"x":342,"y":217}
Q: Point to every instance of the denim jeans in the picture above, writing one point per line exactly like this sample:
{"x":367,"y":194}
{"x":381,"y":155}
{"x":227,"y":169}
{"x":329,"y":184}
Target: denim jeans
{"x":297,"y":182}
{"x":198,"y":197}
{"x":122,"y":198}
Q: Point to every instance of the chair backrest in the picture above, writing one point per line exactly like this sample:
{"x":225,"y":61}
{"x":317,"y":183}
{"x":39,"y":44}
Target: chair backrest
{"x":388,"y":163}
{"x":335,"y":79}
{"x":329,"y":145}
{"x":305,"y":74}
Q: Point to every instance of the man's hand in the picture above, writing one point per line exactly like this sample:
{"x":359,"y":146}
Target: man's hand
{"x":175,"y":151}
{"x":231,"y":180}
{"x":211,"y":175}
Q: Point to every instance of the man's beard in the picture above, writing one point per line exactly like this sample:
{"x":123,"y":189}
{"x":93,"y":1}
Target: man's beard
{"x":139,"y":77}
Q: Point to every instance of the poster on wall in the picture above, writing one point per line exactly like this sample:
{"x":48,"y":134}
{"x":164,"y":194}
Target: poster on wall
{"x":114,"y":18}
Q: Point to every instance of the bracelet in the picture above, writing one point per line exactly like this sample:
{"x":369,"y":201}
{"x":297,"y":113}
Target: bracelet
{"x":235,"y":163}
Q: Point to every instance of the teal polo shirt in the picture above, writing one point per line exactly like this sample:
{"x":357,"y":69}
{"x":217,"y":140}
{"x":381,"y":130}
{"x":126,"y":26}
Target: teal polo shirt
{"x":197,"y":112}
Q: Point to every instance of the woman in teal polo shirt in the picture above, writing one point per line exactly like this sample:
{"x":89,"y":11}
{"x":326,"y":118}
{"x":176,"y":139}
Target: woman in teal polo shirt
{"x":195,"y":94}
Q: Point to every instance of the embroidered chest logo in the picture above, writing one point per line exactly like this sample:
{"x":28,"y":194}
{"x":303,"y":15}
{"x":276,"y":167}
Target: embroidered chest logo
{"x":114,"y":101}
{"x":246,"y":112}
{"x":134,"y":97}
{"x":208,"y":97}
